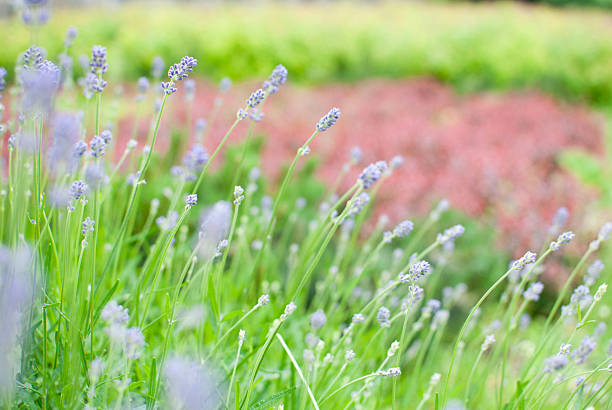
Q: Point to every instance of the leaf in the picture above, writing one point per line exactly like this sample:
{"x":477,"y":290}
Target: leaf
{"x":104,"y":301}
{"x":212,"y":296}
{"x":270,"y":401}
{"x":581,"y":325}
{"x":152,"y":384}
{"x":231,"y":315}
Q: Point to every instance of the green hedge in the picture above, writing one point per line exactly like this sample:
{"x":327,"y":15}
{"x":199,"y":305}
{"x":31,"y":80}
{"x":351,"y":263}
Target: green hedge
{"x":472,"y":46}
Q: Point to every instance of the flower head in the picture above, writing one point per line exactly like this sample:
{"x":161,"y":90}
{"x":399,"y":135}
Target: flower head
{"x":276,"y":79}
{"x":255,"y":98}
{"x":451,"y":234}
{"x":328,"y":120}
{"x":563,"y":239}
{"x":191,"y":200}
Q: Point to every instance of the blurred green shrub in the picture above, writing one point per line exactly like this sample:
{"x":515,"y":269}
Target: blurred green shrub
{"x":472,"y":46}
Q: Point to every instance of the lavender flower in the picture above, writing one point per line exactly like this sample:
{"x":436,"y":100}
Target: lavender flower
{"x":189,"y":90}
{"x":356,"y":155}
{"x":263,"y":300}
{"x":255,"y":98}
{"x":587,"y":345}
{"x":559,"y":220}
{"x":15,"y":296}
{"x":358,"y":318}
{"x":178,"y":72}
{"x":371,"y":174}
{"x":450,"y":234}
{"x":157,"y":67}
{"x":242,"y":114}
{"x":114,"y":314}
{"x":432,"y":306}
{"x":40,"y":81}
{"x":488,"y":342}
{"x":383,"y":317}
{"x":276,"y":79}
{"x":214,"y":226}
{"x":416,"y":272}
{"x":328,"y":120}
{"x":563,"y":239}
{"x":403,"y":229}
{"x":527,"y":259}
{"x":580,"y":297}
{"x":555,"y":363}
{"x":191,"y":200}
{"x":592,"y":273}
{"x":134,"y":341}
{"x":143,"y":85}
{"x":391,"y":372}
{"x":98,"y":66}
{"x":97,"y":147}
{"x":88,"y":226}
{"x":289,"y":309}
{"x":357,"y":204}
{"x":224,"y":85}
{"x":3,"y":74}
{"x":238,"y":195}
{"x":165,"y":223}
{"x":534,"y":291}
{"x":190,"y":385}
{"x":71,"y":34}
{"x":195,"y":159}
{"x":317,"y":319}
{"x":77,"y":190}
{"x":66,"y":132}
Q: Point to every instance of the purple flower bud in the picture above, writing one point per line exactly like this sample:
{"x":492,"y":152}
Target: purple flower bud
{"x":328,"y":120}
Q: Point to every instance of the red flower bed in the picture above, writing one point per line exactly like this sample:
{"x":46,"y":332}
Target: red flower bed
{"x":486,"y":153}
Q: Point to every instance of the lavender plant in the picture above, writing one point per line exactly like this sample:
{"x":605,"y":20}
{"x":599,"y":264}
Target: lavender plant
{"x":126,"y":283}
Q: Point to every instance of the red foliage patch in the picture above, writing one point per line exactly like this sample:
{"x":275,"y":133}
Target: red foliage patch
{"x":486,"y":153}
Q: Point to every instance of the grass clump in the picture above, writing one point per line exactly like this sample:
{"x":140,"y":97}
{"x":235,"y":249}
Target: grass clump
{"x":137,"y":283}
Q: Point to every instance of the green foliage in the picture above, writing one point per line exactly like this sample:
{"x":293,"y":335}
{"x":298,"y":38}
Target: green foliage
{"x":473,"y":47}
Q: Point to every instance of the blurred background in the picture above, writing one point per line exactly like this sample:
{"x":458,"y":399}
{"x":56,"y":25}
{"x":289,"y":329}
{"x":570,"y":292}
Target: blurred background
{"x":501,"y":107}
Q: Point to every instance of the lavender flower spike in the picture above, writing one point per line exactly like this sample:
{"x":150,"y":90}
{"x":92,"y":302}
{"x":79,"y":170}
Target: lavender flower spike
{"x":256,"y":98}
{"x":178,"y":72}
{"x":276,"y":79}
{"x":527,"y":259}
{"x":451,"y":234}
{"x":328,"y":120}
{"x":372,"y":173}
{"x":563,"y":239}
{"x":191,"y":200}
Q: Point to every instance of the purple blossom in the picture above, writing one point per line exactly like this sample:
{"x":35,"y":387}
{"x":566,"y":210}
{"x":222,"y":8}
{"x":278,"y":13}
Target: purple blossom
{"x":328,"y":120}
{"x":195,"y":159}
{"x":563,"y":239}
{"x":276,"y":79}
{"x":534,"y":291}
{"x":191,"y":200}
{"x":255,"y":98}
{"x":157,"y":67}
{"x":3,"y":74}
{"x":370,"y":175}
{"x":450,"y":234}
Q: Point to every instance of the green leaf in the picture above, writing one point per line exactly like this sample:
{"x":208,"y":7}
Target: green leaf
{"x":231,"y":315}
{"x":270,"y":401}
{"x":152,"y":384}
{"x":104,"y":301}
{"x":581,"y":325}
{"x":212,"y":296}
